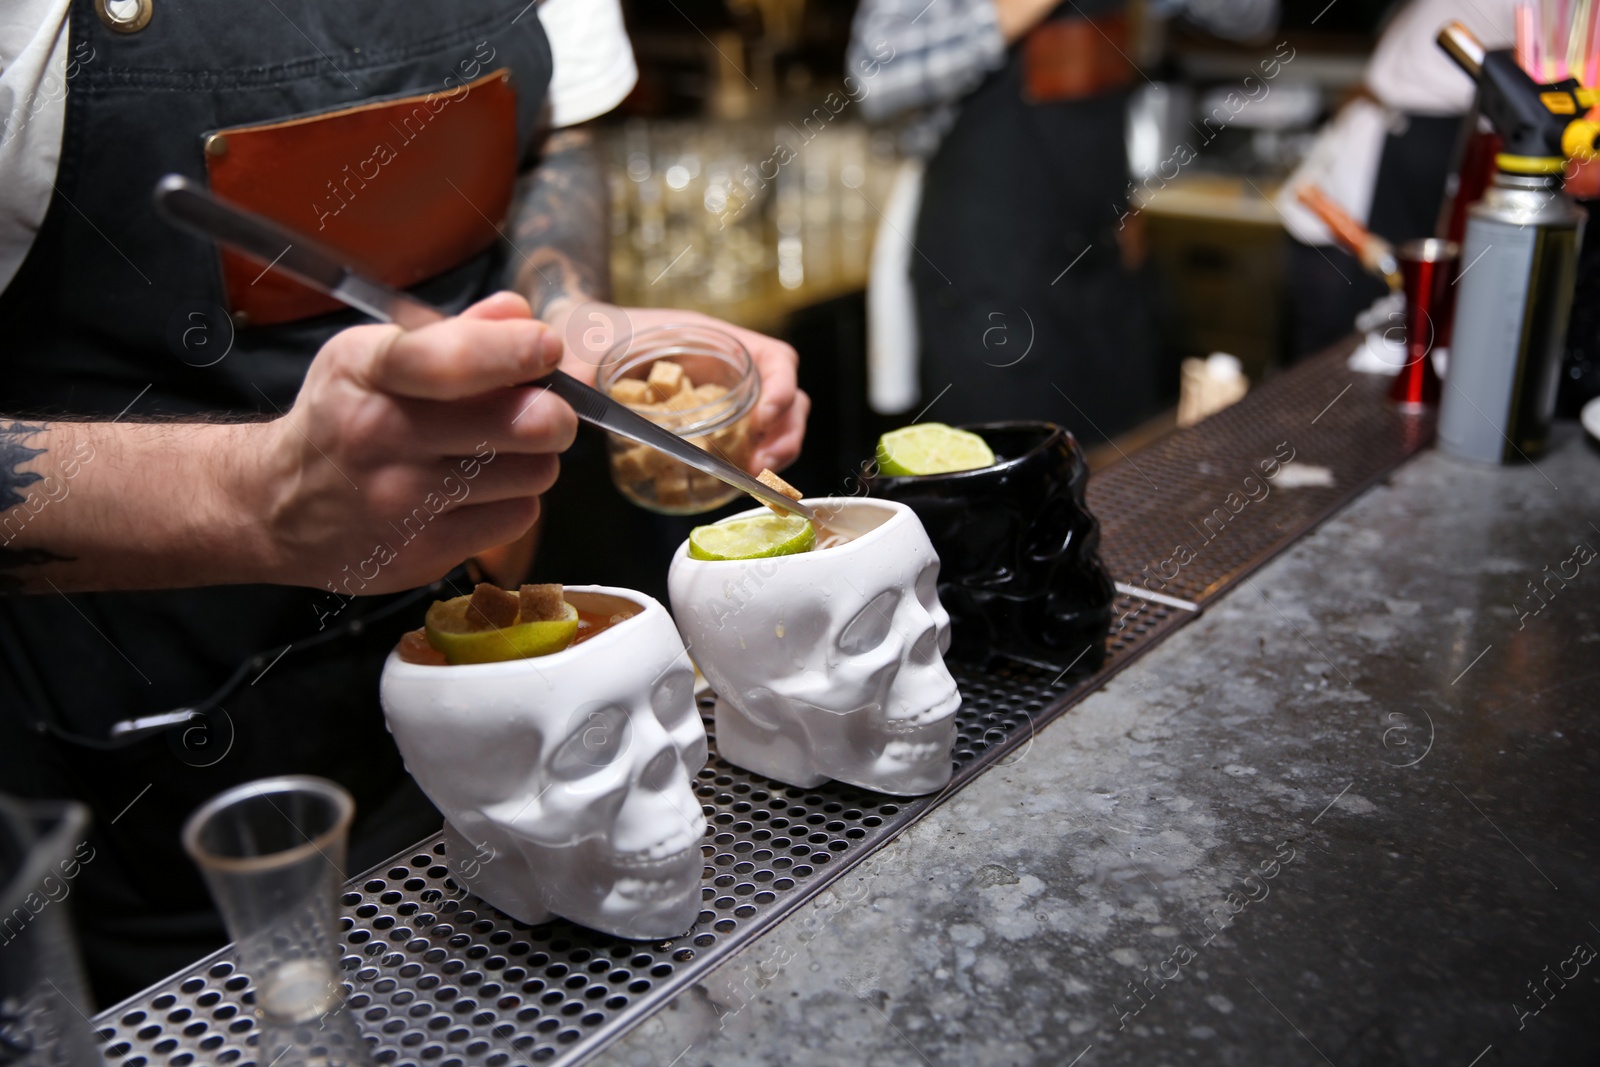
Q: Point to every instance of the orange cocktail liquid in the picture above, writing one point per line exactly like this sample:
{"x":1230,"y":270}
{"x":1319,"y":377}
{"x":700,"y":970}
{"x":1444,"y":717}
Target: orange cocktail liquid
{"x":591,"y":623}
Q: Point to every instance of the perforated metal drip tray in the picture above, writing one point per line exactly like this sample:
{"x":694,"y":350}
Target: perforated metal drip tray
{"x":436,"y":976}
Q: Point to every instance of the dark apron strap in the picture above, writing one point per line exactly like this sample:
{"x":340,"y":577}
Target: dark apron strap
{"x":86,"y":326}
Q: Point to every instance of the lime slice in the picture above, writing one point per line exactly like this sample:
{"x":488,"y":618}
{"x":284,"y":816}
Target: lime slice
{"x":754,"y":538}
{"x":447,"y":631}
{"x":932,"y":448}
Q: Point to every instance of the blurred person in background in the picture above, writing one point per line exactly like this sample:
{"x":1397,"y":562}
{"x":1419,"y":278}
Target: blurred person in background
{"x":1387,"y":158}
{"x":1029,"y":298}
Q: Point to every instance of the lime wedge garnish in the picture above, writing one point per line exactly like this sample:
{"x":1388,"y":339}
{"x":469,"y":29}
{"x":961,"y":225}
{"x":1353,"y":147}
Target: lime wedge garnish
{"x":447,"y":631}
{"x":932,"y":448}
{"x":756,"y":537}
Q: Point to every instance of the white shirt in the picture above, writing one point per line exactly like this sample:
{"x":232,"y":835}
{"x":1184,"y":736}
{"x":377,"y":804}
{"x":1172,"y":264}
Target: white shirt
{"x":593,"y":60}
{"x":1409,"y":74}
{"x":593,"y":71}
{"x":1409,"y":71}
{"x":33,"y":95}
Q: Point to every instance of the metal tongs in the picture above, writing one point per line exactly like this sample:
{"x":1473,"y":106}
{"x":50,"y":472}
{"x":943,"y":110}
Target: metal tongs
{"x":196,"y":209}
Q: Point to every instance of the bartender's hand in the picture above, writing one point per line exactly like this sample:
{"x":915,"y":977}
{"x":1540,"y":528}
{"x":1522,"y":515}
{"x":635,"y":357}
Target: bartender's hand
{"x":1017,"y":17}
{"x":435,"y":426}
{"x":779,"y":419}
{"x":403,"y":454}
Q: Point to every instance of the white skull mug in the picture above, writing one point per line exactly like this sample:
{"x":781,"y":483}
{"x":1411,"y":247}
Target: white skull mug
{"x":564,"y":779}
{"x":828,"y":664}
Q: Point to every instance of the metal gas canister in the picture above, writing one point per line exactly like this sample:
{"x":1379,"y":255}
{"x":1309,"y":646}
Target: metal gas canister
{"x":1519,"y":259}
{"x":1518,"y":268}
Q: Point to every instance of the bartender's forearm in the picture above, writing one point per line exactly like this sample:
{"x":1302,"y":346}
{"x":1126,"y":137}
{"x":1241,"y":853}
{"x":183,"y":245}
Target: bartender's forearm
{"x":1017,"y":17}
{"x":404,"y":453}
{"x":101,"y":505}
{"x":559,"y":229}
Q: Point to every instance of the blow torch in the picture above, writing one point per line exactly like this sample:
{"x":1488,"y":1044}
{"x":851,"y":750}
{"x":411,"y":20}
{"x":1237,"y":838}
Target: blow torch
{"x":1518,"y":261}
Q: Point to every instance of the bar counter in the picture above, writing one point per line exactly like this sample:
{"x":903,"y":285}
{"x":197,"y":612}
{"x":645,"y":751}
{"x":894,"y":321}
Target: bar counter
{"x":1331,"y":799}
{"x":1346,"y":816}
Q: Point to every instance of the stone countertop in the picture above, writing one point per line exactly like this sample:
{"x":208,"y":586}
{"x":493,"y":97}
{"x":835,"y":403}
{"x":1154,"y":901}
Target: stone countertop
{"x":1347,"y":816}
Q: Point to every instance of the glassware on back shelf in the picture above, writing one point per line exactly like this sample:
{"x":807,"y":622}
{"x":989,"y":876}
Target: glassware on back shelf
{"x":744,"y":220}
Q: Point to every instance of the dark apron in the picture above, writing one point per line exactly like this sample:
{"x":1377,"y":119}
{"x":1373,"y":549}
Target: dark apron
{"x":88,"y":323}
{"x":1017,"y":193}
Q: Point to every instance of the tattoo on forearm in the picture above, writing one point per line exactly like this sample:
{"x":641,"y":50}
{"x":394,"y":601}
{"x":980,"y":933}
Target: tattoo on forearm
{"x":559,"y":226}
{"x":14,"y":454}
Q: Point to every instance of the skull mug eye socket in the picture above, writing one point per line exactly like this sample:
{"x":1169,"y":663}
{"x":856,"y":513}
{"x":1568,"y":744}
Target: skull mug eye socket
{"x":871,"y":625}
{"x":598,"y":735}
{"x":1051,"y":534}
{"x":672,"y":699}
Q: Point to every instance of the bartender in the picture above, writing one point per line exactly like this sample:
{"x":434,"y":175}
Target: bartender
{"x":1029,"y":294}
{"x":218,"y":491}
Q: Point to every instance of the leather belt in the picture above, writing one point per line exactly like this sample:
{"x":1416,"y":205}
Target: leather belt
{"x":1076,"y":58}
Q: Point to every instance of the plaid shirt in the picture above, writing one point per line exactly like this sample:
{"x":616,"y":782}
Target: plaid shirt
{"x":943,"y":49}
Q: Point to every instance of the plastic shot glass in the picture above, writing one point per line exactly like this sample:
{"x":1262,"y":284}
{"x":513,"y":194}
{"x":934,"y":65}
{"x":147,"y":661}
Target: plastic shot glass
{"x":272,"y":853}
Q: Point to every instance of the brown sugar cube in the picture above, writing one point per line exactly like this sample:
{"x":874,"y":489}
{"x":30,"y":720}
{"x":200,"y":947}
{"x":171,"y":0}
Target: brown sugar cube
{"x":656,"y":462}
{"x":709,"y":392}
{"x":541,"y":603}
{"x":491,"y":608}
{"x":704,"y":486}
{"x":709,"y":444}
{"x":732,"y":443}
{"x":666,"y":378}
{"x":632,"y":391}
{"x":672,"y":486}
{"x":637,"y":464}
{"x":683,"y":401}
{"x":772,"y":481}
{"x":732,"y":438}
{"x":660,"y":414}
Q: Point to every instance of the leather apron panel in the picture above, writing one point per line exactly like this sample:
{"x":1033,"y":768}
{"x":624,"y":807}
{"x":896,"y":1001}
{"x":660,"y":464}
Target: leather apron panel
{"x":106,"y":291}
{"x":405,"y":188}
{"x":1069,"y":59}
{"x":89,"y":324}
